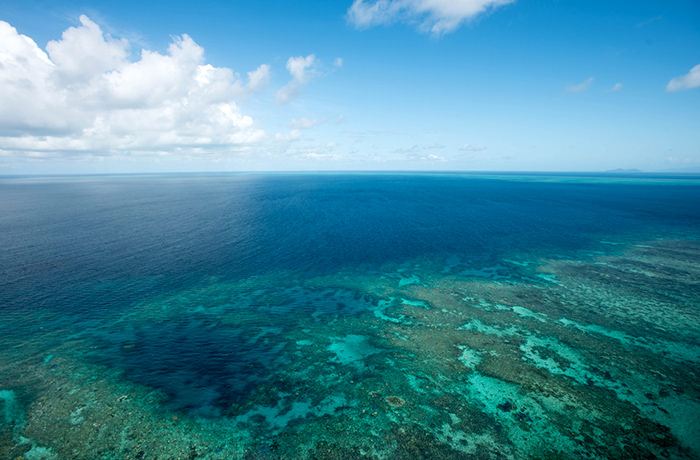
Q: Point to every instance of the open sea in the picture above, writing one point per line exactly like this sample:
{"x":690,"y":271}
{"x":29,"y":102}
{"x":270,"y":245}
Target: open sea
{"x":379,"y":316}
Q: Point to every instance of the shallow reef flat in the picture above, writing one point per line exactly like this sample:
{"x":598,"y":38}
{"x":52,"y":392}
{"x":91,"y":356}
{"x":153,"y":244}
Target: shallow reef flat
{"x":591,"y":357}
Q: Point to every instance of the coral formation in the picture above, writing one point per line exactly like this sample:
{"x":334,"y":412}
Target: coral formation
{"x":598,"y":358}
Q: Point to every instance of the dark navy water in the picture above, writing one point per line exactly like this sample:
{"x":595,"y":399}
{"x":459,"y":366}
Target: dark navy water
{"x":65,"y":240}
{"x":224,"y":292}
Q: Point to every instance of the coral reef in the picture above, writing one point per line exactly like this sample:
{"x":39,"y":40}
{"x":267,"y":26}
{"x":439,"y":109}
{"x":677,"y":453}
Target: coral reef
{"x":594,"y":356}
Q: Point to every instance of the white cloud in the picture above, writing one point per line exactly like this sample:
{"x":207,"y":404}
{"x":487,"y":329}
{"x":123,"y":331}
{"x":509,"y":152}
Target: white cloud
{"x":85,"y":95}
{"x":616,"y":87}
{"x":338,"y":62}
{"x":84,"y":52}
{"x":302,"y":69}
{"x":434,"y":16}
{"x":259,"y":78}
{"x":688,"y":81}
{"x":472,"y":148}
{"x":581,"y":87}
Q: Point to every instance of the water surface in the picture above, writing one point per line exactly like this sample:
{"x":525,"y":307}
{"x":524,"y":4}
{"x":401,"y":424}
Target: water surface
{"x":350,"y":316}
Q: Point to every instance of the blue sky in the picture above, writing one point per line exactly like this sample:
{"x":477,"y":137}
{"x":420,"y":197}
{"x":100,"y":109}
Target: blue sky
{"x":384,"y":85}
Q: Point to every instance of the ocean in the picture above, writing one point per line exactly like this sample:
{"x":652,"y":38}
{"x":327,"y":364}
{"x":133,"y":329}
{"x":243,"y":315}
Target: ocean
{"x":350,"y":315}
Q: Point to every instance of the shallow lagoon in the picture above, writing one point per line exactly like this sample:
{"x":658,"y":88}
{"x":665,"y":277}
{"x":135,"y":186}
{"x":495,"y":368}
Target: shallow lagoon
{"x":350,"y":316}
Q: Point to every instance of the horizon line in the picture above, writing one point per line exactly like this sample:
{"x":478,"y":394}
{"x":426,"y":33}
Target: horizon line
{"x":620,"y":172}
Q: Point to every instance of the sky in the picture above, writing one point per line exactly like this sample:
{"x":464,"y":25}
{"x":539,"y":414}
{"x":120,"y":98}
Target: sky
{"x":465,"y":85}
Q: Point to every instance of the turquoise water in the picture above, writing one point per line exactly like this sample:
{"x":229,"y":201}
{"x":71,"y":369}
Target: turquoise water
{"x":377,"y":316}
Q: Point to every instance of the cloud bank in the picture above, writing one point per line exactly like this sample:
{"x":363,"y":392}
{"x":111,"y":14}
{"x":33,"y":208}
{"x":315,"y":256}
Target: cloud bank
{"x":434,"y":16}
{"x":85,"y":94}
{"x":688,"y":81}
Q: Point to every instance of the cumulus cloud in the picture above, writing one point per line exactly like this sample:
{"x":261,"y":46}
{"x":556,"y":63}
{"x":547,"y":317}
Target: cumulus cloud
{"x":581,"y":87}
{"x":259,"y":78}
{"x":302,"y":69}
{"x":434,"y":16}
{"x":84,"y":94}
{"x":688,"y":81}
{"x":84,"y":52}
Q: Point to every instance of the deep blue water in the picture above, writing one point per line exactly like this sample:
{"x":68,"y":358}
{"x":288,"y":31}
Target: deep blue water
{"x":66,"y":240}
